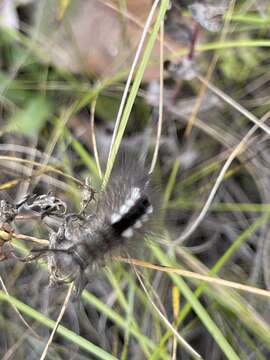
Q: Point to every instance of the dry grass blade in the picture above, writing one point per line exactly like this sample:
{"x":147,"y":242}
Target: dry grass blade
{"x":192,"y":275}
{"x":161,"y":88}
{"x":181,"y":340}
{"x":44,"y":168}
{"x":210,"y":71}
{"x":17,"y":311}
{"x":61,"y":314}
{"x":176,"y":309}
{"x":234,"y":104}
{"x":237,"y":151}
{"x":94,"y":143}
{"x":7,"y":236}
{"x":31,"y":238}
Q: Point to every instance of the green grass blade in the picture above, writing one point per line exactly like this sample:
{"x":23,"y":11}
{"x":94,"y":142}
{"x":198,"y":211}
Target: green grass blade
{"x":134,"y":89}
{"x":199,"y":309}
{"x":68,"y":334}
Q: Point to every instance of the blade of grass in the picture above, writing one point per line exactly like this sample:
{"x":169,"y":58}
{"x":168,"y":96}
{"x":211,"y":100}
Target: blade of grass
{"x":86,"y":157}
{"x":63,"y":331}
{"x":219,"y":207}
{"x":130,"y":318}
{"x":170,"y":184}
{"x":117,"y":319}
{"x":132,"y":70}
{"x":60,"y":316}
{"x":180,"y":339}
{"x":126,"y":306}
{"x":198,"y":276}
{"x":147,"y":344}
{"x":237,"y":150}
{"x":134,"y":89}
{"x":93,"y":135}
{"x":200,"y":311}
{"x":161,"y":91}
{"x":218,"y":266}
{"x":210,"y":71}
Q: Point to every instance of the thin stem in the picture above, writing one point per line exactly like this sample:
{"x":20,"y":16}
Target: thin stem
{"x":161,"y":88}
{"x":93,"y":135}
{"x":60,"y":316}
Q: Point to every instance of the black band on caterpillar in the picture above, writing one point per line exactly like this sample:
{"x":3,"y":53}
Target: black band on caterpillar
{"x":132,"y":214}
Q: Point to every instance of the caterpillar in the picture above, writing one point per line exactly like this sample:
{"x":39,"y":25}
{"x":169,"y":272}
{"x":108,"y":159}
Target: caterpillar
{"x":86,"y":239}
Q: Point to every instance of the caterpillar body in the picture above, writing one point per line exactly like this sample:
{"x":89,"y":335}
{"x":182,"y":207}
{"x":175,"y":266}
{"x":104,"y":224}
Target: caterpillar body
{"x":85,"y":240}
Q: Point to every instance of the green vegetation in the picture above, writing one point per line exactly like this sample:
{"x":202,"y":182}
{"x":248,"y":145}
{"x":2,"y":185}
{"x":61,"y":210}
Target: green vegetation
{"x":48,"y":101}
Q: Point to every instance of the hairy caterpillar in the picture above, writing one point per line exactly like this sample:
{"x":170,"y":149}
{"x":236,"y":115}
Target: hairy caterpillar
{"x":85,"y":239}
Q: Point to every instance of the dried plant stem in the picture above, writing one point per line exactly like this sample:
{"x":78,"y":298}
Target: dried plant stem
{"x":192,"y":275}
{"x":161,"y":88}
{"x":30,"y":238}
{"x":181,"y":340}
{"x":93,"y":135}
{"x":17,"y":311}
{"x":176,"y":309}
{"x":210,"y":71}
{"x":44,"y":168}
{"x":61,"y":314}
{"x":237,"y":151}
{"x":234,"y":104}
